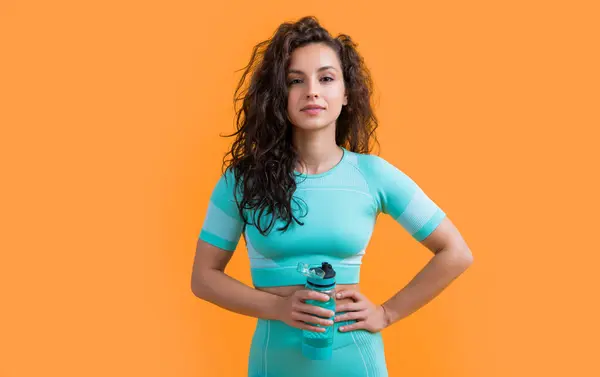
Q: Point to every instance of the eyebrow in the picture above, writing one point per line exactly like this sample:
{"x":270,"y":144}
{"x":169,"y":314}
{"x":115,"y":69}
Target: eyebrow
{"x":318,"y":70}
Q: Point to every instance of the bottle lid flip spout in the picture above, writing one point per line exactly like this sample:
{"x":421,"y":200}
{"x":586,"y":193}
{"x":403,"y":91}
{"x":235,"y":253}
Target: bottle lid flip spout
{"x":314,"y":272}
{"x":321,"y":276}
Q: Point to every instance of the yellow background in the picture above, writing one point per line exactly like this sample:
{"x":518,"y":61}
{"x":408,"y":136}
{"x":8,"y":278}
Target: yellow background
{"x":110,"y":117}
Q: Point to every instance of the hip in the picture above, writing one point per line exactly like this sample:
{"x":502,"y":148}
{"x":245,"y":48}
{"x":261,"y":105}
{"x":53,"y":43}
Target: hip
{"x":276,"y":350}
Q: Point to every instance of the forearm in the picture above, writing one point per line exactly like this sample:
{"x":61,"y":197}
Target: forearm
{"x":226,"y":292}
{"x":439,"y":272}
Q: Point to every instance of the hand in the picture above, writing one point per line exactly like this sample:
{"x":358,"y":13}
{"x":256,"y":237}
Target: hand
{"x":369,"y":316}
{"x":293,"y":311}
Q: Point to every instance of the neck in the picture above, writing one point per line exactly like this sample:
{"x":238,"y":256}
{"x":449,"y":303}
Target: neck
{"x":318,"y":151}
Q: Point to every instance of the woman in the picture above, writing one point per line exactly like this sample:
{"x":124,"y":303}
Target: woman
{"x":302,"y":187}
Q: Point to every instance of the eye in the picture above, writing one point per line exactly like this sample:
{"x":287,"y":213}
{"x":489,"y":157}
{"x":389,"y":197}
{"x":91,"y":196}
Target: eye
{"x":292,"y":82}
{"x":327,"y":77}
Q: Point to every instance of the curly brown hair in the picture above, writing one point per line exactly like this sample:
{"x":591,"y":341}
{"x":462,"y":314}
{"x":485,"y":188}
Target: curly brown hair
{"x":263,"y":156}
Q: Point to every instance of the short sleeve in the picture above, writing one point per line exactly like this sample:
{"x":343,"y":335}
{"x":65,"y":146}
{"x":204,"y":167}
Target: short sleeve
{"x":399,"y":196}
{"x":222,"y":225}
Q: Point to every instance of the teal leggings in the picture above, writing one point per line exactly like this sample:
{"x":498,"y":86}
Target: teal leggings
{"x":276,"y":351}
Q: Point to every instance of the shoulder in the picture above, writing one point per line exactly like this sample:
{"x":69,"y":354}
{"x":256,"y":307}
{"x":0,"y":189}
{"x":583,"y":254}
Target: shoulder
{"x":227,"y":178}
{"x":225,"y":186}
{"x":383,"y":176}
{"x":375,"y":167}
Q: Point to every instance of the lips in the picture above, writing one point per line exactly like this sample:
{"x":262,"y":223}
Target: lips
{"x":313,"y":107}
{"x":313,"y":111}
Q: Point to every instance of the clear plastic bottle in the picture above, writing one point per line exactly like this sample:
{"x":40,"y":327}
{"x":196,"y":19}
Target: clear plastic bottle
{"x":319,"y":345}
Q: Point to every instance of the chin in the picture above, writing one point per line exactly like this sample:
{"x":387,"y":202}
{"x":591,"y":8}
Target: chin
{"x":313,"y":124}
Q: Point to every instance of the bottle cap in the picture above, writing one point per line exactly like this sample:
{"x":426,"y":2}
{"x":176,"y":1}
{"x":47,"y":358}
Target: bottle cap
{"x":322,"y":276}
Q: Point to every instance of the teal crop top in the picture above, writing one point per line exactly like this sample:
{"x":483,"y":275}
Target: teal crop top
{"x":341,"y":207}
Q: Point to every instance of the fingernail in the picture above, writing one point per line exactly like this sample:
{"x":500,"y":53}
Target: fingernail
{"x":338,"y":295}
{"x":342,"y":328}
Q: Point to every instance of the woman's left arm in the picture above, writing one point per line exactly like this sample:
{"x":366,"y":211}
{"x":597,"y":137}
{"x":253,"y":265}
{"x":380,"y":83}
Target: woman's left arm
{"x":452,"y":257}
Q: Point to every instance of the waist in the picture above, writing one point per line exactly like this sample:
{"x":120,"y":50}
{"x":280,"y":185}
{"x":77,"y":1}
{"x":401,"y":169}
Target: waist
{"x":345,"y":274}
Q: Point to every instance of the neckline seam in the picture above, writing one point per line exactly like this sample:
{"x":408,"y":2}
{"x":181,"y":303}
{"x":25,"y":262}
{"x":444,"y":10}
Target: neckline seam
{"x":325,"y":173}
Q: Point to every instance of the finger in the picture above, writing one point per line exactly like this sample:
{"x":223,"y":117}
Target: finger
{"x":351,"y":306}
{"x":354,"y":326}
{"x":314,"y":309}
{"x":307,"y":294}
{"x":351,"y":315}
{"x":304,"y":326}
{"x":311,"y":319}
{"x":355,"y":295}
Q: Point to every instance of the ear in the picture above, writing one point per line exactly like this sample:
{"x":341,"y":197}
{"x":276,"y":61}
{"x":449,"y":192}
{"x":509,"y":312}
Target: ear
{"x":345,"y":100}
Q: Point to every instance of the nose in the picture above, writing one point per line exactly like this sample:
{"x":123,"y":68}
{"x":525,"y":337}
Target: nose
{"x":313,"y":90}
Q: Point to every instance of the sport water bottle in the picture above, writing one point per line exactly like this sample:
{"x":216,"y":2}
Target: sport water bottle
{"x":319,"y":345}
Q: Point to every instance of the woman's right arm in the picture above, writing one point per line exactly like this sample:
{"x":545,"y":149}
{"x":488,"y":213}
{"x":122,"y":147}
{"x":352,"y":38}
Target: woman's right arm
{"x":210,"y":283}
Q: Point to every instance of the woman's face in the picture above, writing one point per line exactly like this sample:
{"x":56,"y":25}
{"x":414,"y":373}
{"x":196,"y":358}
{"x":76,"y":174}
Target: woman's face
{"x":314,"y":77}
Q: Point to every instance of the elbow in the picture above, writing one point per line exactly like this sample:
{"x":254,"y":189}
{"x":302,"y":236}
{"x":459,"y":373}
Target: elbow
{"x":465,"y":258}
{"x":461,"y":254}
{"x":468,"y":259}
{"x":461,"y":258}
{"x":198,"y":285}
{"x":196,"y":289}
